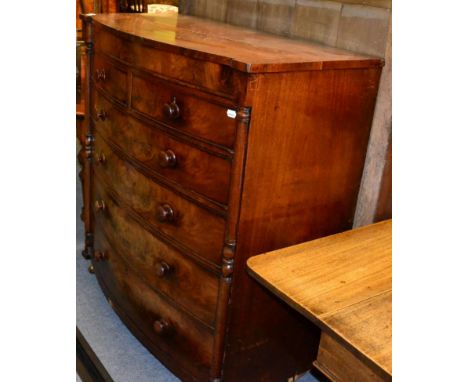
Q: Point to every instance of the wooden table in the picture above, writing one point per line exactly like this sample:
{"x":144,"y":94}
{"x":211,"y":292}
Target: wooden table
{"x":343,"y":283}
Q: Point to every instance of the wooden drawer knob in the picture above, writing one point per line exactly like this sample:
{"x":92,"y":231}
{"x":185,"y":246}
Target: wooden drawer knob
{"x":165,"y":213}
{"x":85,"y":255}
{"x":171,"y":110}
{"x":102,"y":115}
{"x":161,"y":326}
{"x":167,"y":158}
{"x":100,"y":158}
{"x":99,"y":205}
{"x":163,"y":269}
{"x":100,"y":74}
{"x":99,"y":256}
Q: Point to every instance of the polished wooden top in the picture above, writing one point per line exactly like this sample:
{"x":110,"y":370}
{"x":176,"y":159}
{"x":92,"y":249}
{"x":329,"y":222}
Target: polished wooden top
{"x":343,"y":283}
{"x":243,"y":49}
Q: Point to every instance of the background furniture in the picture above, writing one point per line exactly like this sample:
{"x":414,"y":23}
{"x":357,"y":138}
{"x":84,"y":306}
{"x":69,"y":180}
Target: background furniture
{"x":342,"y":283}
{"x":141,"y":6}
{"x":133,"y":6}
{"x":88,"y":366}
{"x":208,"y":144}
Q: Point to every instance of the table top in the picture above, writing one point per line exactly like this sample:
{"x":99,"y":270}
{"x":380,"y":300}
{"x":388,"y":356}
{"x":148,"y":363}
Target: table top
{"x":243,"y":49}
{"x":343,"y":283}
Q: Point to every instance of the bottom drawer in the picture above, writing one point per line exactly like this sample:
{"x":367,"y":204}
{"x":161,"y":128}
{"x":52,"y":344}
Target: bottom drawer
{"x":340,"y":365}
{"x":169,"y":333}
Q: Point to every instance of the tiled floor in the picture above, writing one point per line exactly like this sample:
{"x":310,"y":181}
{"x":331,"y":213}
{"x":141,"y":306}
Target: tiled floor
{"x":125,"y":359}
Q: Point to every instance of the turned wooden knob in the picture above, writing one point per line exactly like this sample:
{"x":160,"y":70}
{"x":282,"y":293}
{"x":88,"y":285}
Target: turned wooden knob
{"x":100,"y":158}
{"x":171,"y":110}
{"x":85,"y":255}
{"x":162,"y":269}
{"x":167,"y":158}
{"x":161,"y":326}
{"x":165,"y":213}
{"x":100,"y":74}
{"x":102,"y":115}
{"x":98,"y":256}
{"x":99,"y":205}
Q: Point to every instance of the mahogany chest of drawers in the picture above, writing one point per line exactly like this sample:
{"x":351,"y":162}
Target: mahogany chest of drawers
{"x":207,"y":144}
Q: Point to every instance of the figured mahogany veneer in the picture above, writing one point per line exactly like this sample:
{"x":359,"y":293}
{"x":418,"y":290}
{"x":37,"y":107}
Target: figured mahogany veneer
{"x":207,"y":144}
{"x":178,"y":67}
{"x":189,"y":339}
{"x":183,"y":109}
{"x":163,"y":209}
{"x":165,"y":269}
{"x":195,"y":169}
{"x":227,"y":45}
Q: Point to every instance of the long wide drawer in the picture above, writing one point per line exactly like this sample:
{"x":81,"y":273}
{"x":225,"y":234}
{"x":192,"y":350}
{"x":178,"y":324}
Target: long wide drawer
{"x":159,"y":265}
{"x":340,"y":365}
{"x":189,"y":224}
{"x":165,"y":328}
{"x":184,"y":110}
{"x":194,"y":169}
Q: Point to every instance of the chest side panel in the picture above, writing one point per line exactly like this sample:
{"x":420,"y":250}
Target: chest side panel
{"x":307,"y":144}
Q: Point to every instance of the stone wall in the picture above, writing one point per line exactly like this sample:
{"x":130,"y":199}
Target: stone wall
{"x":357,"y":25}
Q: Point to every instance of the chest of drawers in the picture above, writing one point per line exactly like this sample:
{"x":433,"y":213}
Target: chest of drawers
{"x":207,"y":144}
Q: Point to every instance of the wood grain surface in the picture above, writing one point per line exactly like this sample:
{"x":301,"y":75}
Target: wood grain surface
{"x":204,"y":172}
{"x":184,"y":281}
{"x":343,"y":283}
{"x":240,"y":48}
{"x":192,"y":226}
{"x":340,"y":365}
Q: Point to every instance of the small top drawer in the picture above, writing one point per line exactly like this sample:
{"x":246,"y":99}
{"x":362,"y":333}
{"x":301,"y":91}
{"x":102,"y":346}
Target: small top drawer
{"x":184,"y":109}
{"x":194,"y":169}
{"x":215,"y":78}
{"x":111,"y":78}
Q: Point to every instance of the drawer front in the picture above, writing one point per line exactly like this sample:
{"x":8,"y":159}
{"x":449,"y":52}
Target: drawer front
{"x":340,"y":365}
{"x":178,"y":162}
{"x":183,"y":109}
{"x":111,"y":78}
{"x":216,"y":78}
{"x":191,"y":225}
{"x":159,"y":265}
{"x":164,"y":327}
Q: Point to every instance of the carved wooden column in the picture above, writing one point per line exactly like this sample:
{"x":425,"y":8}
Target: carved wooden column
{"x":87,"y":144}
{"x":227,"y":266}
